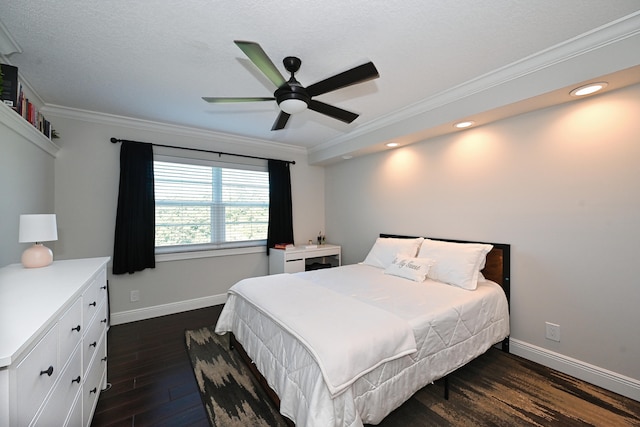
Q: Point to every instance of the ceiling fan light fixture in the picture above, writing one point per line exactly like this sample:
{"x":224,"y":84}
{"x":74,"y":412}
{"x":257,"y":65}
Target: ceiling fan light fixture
{"x":293,"y":105}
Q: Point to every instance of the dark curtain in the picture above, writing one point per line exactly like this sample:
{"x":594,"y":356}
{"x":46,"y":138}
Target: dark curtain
{"x":280,"y":213}
{"x":134,"y":247}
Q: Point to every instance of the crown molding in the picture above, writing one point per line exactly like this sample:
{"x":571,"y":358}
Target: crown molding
{"x":252,"y":144}
{"x":8,"y":44}
{"x":580,"y":46}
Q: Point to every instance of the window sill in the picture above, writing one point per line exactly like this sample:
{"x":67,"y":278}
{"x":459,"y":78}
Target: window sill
{"x":176,"y":256}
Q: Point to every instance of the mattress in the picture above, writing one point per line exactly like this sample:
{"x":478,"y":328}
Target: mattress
{"x":451,"y":326}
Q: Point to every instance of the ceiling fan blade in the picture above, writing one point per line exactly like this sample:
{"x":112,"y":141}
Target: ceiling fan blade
{"x":350,"y":77}
{"x":255,"y":53}
{"x":281,"y":121}
{"x":217,"y":100}
{"x":331,"y":111}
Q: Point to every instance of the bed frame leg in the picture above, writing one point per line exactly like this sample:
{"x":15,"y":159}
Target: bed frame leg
{"x":446,"y":387}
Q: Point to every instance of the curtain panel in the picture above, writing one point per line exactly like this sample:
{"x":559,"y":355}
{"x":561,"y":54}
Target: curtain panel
{"x":280,"y":228}
{"x":134,"y":246}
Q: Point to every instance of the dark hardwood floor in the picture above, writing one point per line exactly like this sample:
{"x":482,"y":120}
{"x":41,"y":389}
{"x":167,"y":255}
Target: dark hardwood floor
{"x":152,"y":383}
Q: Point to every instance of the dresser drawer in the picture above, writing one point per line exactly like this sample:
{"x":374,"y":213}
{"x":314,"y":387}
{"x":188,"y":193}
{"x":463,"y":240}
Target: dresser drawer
{"x":33,"y":381}
{"x":58,"y":406}
{"x":93,"y":383}
{"x":70,"y":330}
{"x":101,"y":283}
{"x":89,"y":303}
{"x":75,"y":416}
{"x":93,"y":335}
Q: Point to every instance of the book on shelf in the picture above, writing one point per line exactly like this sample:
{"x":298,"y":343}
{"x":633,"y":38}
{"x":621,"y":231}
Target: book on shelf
{"x":9,"y":90}
{"x":30,"y":113}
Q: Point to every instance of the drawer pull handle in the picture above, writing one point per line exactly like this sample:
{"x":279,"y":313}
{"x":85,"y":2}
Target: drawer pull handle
{"x":49,"y":371}
{"x":104,"y":359}
{"x":103,"y":321}
{"x":77,"y":328}
{"x":77,"y":380}
{"x":94,"y":390}
{"x":92,"y":304}
{"x":103,"y":287}
{"x":93,"y":344}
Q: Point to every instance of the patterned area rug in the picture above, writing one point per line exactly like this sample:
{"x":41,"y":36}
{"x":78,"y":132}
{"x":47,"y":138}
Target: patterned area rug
{"x":496,"y":389}
{"x":231,"y":395}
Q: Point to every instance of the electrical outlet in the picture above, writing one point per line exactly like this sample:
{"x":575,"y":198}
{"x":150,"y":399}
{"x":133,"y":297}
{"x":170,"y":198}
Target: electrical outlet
{"x":553,"y":331}
{"x":135,"y":296}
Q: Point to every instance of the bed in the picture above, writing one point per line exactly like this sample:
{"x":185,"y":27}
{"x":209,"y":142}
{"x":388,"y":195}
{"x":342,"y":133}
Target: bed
{"x":346,"y":346}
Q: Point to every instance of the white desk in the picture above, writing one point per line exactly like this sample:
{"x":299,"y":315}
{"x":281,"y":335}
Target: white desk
{"x":300,"y":258}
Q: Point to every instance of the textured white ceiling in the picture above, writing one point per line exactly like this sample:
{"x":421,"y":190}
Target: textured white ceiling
{"x":154,"y":60}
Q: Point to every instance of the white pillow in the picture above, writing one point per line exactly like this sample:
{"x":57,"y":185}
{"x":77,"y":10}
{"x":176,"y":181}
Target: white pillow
{"x":385,"y":250}
{"x":415,"y":269}
{"x":457,"y":264}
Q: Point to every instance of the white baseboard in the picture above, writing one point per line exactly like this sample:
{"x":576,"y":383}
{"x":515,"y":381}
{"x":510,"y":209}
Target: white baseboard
{"x":604,"y":378}
{"x":164,"y":309}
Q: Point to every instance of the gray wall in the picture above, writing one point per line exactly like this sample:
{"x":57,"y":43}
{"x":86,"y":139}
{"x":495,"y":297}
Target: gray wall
{"x":26,"y":186}
{"x":561,"y":185}
{"x":86,"y":185}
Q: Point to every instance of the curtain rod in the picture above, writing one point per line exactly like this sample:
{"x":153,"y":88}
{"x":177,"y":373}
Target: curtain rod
{"x":219,"y":153}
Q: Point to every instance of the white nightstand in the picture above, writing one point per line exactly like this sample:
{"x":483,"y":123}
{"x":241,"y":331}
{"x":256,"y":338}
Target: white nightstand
{"x":301,"y":258}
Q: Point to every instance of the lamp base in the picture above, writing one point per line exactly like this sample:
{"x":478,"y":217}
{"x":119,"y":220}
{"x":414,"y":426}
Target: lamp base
{"x":37,"y":256}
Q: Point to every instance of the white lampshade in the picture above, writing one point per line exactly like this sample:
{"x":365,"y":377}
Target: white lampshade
{"x":38,"y":228}
{"x":292,"y":106}
{"x":35,"y":229}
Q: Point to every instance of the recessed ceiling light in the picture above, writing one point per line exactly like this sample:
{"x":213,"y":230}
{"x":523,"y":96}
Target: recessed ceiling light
{"x":466,"y":124}
{"x":588,"y":89}
{"x":391,"y":144}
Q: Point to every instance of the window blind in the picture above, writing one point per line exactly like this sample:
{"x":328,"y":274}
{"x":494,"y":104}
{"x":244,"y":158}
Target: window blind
{"x":209,"y":206}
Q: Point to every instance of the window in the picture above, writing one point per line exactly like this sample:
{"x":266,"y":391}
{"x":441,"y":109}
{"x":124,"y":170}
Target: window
{"x":203,"y":204}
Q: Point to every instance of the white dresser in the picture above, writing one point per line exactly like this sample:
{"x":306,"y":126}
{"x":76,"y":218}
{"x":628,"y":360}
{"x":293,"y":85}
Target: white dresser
{"x":53,"y":342}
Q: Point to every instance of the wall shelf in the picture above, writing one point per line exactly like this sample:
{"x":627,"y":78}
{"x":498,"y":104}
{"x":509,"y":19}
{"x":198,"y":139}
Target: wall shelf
{"x":15,"y":122}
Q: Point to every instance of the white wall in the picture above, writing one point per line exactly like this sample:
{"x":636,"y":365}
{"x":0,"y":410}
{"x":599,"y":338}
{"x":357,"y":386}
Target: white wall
{"x":561,"y":185}
{"x":26,"y":184}
{"x":86,"y":185}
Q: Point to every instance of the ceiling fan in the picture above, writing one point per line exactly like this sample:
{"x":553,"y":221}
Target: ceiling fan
{"x":291,"y":96}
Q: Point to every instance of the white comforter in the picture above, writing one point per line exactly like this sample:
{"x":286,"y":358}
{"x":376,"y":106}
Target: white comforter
{"x":451,"y":327}
{"x":347,"y":338}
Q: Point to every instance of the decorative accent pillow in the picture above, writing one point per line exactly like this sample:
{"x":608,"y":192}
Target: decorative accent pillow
{"x":385,"y":250}
{"x":457,"y":264}
{"x":415,"y":269}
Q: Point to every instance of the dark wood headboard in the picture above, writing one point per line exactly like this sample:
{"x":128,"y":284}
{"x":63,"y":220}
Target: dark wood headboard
{"x":497,"y":267}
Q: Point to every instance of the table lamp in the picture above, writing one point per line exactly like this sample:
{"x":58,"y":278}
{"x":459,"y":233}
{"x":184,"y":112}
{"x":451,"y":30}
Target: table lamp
{"x":36,"y":229}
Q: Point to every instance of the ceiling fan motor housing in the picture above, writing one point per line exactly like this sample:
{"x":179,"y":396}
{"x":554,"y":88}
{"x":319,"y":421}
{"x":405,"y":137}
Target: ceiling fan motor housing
{"x":292,"y":89}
